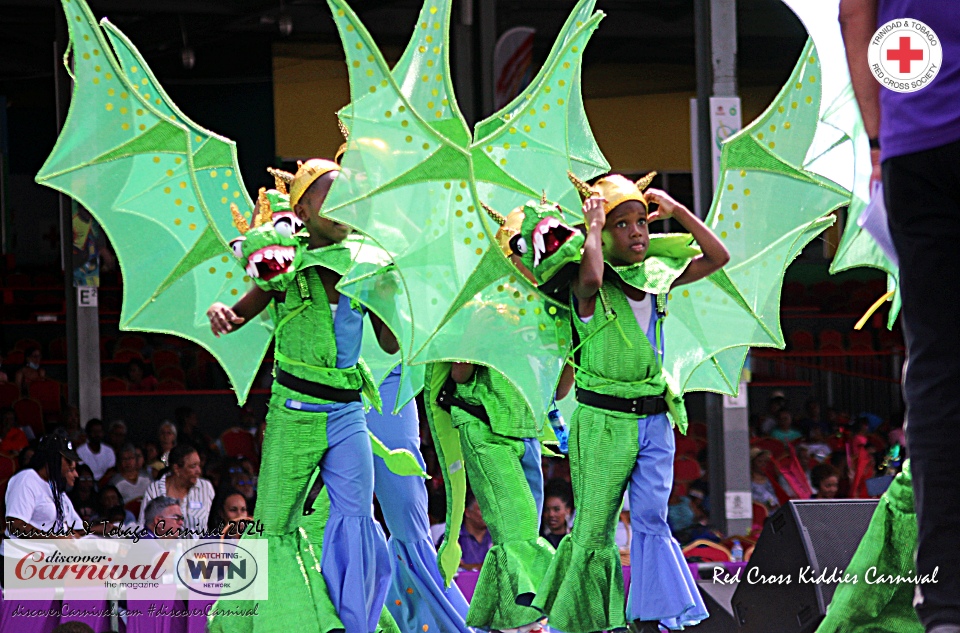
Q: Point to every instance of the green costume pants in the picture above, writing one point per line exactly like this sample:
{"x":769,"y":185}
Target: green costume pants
{"x":886,"y":550}
{"x":505,"y":477}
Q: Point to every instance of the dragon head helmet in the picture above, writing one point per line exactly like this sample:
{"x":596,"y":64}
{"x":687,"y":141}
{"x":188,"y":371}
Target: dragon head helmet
{"x":269,"y":249}
{"x":537,"y":234}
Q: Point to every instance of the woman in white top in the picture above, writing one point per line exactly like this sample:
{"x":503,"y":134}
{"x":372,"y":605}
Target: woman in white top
{"x":36,"y":497}
{"x":183,"y":483}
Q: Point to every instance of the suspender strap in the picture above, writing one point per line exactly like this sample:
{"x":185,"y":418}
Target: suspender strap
{"x":447,"y":399}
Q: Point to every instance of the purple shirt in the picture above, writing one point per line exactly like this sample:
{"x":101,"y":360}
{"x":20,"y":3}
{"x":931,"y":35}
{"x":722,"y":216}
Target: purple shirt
{"x":473,"y":552}
{"x":930,"y":117}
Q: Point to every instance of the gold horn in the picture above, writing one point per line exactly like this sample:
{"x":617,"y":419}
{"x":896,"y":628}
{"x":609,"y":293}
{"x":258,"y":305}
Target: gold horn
{"x":343,"y":130}
{"x":238,"y":220}
{"x":585,"y":190}
{"x":644,"y":182}
{"x":280,"y":178}
{"x":543,"y":197}
{"x":499,"y":219}
{"x":264,"y":211}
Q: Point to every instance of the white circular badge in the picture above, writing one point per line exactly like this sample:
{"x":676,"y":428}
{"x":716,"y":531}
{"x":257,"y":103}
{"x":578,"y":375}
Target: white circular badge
{"x":905,"y":55}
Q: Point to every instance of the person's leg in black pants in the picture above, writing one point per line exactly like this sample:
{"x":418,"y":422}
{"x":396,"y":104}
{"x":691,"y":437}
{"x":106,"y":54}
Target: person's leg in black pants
{"x":922,"y":194}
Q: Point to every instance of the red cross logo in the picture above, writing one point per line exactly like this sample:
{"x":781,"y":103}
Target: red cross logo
{"x":905,"y":55}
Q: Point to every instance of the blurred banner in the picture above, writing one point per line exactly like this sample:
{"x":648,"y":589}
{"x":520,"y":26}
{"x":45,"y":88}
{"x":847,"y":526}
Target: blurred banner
{"x":512,"y":61}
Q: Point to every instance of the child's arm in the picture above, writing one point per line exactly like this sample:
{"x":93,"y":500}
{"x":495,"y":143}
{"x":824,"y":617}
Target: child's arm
{"x":385,"y":336}
{"x":224,"y":319}
{"x":566,"y":382}
{"x":714,"y":254}
{"x":462,"y":372}
{"x":587,"y":284}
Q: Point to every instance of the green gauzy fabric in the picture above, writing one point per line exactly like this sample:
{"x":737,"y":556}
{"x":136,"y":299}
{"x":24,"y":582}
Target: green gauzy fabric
{"x":414,"y":178}
{"x":508,"y":415}
{"x":886,"y":550}
{"x":516,"y":563}
{"x":161,"y":186}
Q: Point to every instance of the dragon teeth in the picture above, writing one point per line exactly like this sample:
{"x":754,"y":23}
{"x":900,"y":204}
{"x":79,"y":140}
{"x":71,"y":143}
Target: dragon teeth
{"x":252,"y":270}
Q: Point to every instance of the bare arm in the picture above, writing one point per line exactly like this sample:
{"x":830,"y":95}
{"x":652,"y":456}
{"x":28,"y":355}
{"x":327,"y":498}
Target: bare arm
{"x":385,"y":336}
{"x":588,"y":282}
{"x":224,"y":319}
{"x":566,"y":382}
{"x":462,"y":372}
{"x":714,"y":254}
{"x":858,"y":22}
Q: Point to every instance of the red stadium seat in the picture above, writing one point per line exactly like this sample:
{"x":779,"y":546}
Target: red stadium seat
{"x":47,"y":393}
{"x":58,"y":348}
{"x":831,"y":340}
{"x":30,"y":413}
{"x":860,"y":341}
{"x":686,"y":469}
{"x":112,"y":384}
{"x":165,"y":358}
{"x":131,"y":341}
{"x":237,"y":442}
{"x":9,"y":393}
{"x":171,"y":385}
{"x":697,"y":429}
{"x":26,"y":343}
{"x":800,"y":341}
{"x":686,"y":446}
{"x":171,"y":373}
{"x":127,"y":355}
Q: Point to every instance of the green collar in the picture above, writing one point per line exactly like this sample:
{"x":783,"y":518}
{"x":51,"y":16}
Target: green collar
{"x":667,"y":257}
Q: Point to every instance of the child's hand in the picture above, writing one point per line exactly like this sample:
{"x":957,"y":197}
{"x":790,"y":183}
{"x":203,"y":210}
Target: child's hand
{"x":667,"y":206}
{"x":222,"y":319}
{"x":594,"y":214}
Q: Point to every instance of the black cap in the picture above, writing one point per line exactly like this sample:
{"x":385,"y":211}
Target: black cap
{"x":61,"y":444}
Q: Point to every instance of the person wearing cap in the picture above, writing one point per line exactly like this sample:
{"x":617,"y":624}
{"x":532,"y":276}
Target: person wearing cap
{"x":620,"y":432}
{"x":316,"y":418}
{"x":36,"y":498}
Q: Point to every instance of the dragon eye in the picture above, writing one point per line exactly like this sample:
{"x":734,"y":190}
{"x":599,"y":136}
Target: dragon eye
{"x":237,"y":245}
{"x":522,"y":246}
{"x":284,"y":226}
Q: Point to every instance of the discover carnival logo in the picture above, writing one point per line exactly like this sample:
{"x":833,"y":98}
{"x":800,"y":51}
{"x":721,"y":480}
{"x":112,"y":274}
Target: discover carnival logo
{"x":905,"y":55}
{"x":119,"y":569}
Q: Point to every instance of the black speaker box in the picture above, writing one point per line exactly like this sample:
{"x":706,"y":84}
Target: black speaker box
{"x":799,"y":560}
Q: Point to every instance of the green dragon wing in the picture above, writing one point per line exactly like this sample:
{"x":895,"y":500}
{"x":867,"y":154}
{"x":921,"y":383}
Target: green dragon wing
{"x":161,"y":187}
{"x":768,"y":205}
{"x":844,"y":155}
{"x":410,"y":181}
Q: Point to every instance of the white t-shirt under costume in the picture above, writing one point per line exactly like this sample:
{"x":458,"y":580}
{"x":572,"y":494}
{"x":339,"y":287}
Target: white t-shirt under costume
{"x":642,"y":311}
{"x":100,"y":462}
{"x":30,"y":498}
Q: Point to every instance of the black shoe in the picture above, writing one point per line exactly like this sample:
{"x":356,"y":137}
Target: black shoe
{"x":645,"y":626}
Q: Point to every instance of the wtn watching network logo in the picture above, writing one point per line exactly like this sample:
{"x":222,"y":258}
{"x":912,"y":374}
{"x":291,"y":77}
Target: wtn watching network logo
{"x":217,"y":568}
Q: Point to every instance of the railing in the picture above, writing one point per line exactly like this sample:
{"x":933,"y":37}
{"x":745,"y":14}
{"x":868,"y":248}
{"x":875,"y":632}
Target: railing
{"x":851,"y":381}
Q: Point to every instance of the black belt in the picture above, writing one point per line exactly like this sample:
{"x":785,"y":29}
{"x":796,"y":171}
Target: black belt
{"x":446,"y":400}
{"x":315,"y":389}
{"x":649,"y":405}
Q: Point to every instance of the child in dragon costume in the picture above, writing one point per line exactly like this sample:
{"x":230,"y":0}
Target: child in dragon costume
{"x":620,"y":432}
{"x":500,"y":442}
{"x":315,"y":417}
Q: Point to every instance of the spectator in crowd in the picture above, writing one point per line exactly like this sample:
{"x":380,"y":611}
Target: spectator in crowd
{"x":3,"y":375}
{"x":826,"y":481}
{"x":36,"y":497}
{"x":73,"y":627}
{"x":760,"y":487}
{"x":242,"y":478}
{"x":769,"y":420}
{"x":32,"y":371}
{"x":475,"y":540}
{"x":817,"y":445}
{"x":166,"y":440}
{"x":557,"y":507}
{"x":151,"y":459}
{"x":109,"y":498}
{"x":183,"y":482}
{"x":813,"y":419}
{"x":117,"y":436}
{"x":137,"y":378}
{"x":163,"y":516}
{"x":230,"y":514}
{"x":12,"y":438}
{"x":784,"y":430}
{"x":26,"y":456}
{"x":95,"y":454}
{"x":84,"y":494}
{"x":129,"y":481}
{"x":682,"y":516}
{"x":71,"y":426}
{"x":188,"y":430}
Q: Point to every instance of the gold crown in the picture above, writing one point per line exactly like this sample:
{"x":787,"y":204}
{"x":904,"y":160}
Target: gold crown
{"x":615,"y":189}
{"x":509,"y":226}
{"x":343,"y":148}
{"x":307,"y":174}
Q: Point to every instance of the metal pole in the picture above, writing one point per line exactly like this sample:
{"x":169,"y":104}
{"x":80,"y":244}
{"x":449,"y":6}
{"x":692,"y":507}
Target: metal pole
{"x":462,"y":61}
{"x":488,"y":42}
